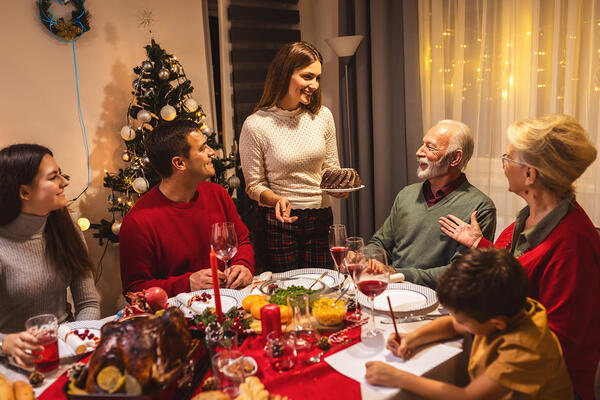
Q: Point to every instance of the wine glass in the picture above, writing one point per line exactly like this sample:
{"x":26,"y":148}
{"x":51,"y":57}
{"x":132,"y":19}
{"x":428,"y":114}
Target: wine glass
{"x":355,"y":260}
{"x":223,"y":240}
{"x":372,"y":279}
{"x":337,"y":245}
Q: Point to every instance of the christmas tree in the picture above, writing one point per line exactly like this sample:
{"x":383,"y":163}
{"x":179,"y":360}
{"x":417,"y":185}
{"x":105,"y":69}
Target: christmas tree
{"x":161,"y":92}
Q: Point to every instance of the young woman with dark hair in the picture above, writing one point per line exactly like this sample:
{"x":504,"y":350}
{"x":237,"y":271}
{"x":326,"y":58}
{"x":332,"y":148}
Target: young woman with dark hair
{"x":285,"y":146}
{"x":41,"y":251}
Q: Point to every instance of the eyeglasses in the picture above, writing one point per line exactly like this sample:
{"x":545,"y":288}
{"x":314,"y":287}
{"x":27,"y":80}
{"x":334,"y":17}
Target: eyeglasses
{"x":504,"y":159}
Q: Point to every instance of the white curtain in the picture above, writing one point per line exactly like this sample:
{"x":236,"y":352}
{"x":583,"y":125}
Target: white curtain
{"x":491,"y":62}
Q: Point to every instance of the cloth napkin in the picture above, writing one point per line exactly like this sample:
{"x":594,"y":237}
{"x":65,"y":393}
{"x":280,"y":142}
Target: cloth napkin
{"x":72,"y":340}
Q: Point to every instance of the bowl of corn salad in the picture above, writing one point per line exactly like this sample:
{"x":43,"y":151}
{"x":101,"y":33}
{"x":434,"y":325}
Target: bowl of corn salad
{"x":329,"y":314}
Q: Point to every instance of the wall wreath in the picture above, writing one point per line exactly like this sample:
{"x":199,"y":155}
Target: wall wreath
{"x":65,"y":30}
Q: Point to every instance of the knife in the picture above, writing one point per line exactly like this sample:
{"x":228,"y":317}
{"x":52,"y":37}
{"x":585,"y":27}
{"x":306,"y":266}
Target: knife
{"x":8,"y":364}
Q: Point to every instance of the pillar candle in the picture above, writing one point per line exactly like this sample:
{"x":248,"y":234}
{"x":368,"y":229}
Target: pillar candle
{"x":270,"y":319}
{"x":215,"y":279}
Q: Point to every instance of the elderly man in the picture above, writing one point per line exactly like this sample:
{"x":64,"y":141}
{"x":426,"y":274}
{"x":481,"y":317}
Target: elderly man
{"x":411,"y":234}
{"x":165,"y":238}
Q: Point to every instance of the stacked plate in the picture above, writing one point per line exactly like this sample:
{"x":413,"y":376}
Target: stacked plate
{"x":406,"y":298}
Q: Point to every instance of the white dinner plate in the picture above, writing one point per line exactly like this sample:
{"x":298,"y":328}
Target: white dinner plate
{"x":344,"y":190}
{"x":406,"y":298}
{"x":230,"y":298}
{"x":332,"y":279}
{"x":65,"y":351}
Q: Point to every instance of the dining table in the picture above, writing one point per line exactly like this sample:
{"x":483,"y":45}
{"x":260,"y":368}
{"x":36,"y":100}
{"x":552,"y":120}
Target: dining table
{"x":340,"y":372}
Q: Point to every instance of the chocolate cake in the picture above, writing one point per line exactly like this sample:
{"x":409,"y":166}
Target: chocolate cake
{"x":340,"y":178}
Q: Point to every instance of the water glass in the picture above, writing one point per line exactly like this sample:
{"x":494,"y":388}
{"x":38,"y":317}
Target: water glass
{"x":228,"y":369}
{"x":223,"y":239}
{"x":298,"y":303}
{"x":306,"y":336}
{"x":45,"y":329}
{"x":281,"y":350}
{"x":354,"y":261}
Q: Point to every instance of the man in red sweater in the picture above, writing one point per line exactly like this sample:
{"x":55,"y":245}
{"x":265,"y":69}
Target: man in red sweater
{"x":165,"y":238}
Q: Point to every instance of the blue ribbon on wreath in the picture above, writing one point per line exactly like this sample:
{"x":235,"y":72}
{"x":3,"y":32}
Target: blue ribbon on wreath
{"x":79,"y":21}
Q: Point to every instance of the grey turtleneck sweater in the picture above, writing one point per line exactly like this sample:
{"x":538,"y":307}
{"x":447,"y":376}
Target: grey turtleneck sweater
{"x":30,"y":283}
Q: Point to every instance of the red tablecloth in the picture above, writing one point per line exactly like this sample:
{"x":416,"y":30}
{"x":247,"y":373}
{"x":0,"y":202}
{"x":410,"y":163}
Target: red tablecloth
{"x":55,"y":391}
{"x":304,"y":381}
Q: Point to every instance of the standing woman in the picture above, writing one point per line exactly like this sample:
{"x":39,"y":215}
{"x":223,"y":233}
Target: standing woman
{"x":285,"y":146}
{"x":552,"y":237}
{"x":41,"y":252}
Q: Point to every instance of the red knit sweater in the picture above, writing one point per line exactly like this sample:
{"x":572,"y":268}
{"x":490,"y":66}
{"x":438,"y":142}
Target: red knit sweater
{"x":162,"y":242}
{"x":564,"y":275}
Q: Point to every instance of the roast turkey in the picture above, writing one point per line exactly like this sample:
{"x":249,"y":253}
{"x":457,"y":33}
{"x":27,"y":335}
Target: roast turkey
{"x":147,"y":347}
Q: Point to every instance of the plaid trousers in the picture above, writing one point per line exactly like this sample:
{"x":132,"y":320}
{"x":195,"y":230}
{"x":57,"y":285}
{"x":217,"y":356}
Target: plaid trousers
{"x":281,"y":247}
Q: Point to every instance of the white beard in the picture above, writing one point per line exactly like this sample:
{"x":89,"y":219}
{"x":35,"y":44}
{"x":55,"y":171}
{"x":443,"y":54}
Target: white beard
{"x":433,"y":169}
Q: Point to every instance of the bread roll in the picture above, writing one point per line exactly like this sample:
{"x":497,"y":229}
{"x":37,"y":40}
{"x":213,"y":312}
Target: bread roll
{"x":23,"y":391}
{"x":3,"y":377}
{"x":6,"y":390}
{"x":211,"y":395}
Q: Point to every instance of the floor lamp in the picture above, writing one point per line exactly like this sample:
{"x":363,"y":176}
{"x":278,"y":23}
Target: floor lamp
{"x":345,"y":48}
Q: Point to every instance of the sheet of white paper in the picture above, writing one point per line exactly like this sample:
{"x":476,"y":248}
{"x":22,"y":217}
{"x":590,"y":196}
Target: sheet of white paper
{"x":351,"y":361}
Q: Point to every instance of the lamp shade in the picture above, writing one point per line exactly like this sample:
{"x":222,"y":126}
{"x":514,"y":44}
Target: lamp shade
{"x":344,"y":46}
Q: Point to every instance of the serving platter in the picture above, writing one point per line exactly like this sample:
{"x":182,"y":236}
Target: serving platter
{"x":331,"y":279}
{"x":406,"y":298}
{"x":181,"y":385}
{"x":344,"y":190}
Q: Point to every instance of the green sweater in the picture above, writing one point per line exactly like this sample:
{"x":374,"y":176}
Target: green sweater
{"x":412,"y":237}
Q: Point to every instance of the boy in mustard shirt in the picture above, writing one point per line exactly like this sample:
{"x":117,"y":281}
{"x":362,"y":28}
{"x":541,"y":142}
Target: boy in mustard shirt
{"x":514,"y":353}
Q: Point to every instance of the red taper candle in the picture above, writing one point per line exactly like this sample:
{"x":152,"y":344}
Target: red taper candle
{"x":215,"y":279}
{"x":270,"y":319}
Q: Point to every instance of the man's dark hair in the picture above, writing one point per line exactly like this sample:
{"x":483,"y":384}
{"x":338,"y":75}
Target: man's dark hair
{"x":169,"y":139}
{"x":484,"y":284}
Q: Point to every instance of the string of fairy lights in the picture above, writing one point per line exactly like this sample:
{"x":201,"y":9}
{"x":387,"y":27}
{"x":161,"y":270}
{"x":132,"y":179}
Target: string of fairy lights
{"x":483,"y":66}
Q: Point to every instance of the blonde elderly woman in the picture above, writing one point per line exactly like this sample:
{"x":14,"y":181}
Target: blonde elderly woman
{"x":552,"y":237}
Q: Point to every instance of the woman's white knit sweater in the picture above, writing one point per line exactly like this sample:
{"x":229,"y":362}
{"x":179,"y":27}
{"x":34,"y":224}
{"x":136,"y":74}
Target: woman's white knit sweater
{"x":287,"y":152}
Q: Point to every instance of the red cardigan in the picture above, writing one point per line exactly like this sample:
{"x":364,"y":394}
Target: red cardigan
{"x":564,"y":275}
{"x":162,"y":242}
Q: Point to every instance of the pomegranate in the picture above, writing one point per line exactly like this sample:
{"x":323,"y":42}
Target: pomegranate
{"x":156,"y":298}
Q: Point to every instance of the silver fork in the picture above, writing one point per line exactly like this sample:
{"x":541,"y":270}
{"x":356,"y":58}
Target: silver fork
{"x":414,"y":318}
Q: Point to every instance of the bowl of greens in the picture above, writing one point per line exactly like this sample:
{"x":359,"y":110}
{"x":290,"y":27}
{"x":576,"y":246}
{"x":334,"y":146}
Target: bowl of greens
{"x":278,"y":289}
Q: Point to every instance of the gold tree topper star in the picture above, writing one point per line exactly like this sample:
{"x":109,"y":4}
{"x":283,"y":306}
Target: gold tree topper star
{"x":145,"y":19}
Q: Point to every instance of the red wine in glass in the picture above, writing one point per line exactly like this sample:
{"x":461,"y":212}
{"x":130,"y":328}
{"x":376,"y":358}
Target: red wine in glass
{"x":338,"y":247}
{"x":372,"y":288}
{"x":372,"y":280}
{"x":339,"y":253}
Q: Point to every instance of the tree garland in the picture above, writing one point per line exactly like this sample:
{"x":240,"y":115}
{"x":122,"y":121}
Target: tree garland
{"x":65,"y":30}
